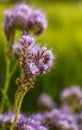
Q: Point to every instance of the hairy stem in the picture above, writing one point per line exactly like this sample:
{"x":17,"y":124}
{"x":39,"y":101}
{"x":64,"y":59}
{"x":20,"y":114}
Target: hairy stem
{"x":18,"y":104}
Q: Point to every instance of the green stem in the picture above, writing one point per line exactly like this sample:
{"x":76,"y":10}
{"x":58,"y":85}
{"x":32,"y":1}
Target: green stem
{"x":13,"y":69}
{"x":18,"y":104}
{"x":7,"y":52}
{"x":6,"y":84}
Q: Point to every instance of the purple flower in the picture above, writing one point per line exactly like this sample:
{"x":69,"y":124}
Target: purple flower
{"x":24,"y":122}
{"x":33,"y":69}
{"x":25,"y":18}
{"x":42,"y":121}
{"x":42,"y":59}
{"x":45,"y":101}
{"x":40,"y":18}
{"x":72,"y":97}
{"x":27,"y":39}
{"x":37,"y":60}
{"x":72,"y":91}
{"x":9,"y":24}
{"x":7,"y":119}
{"x":53,"y":116}
{"x":66,"y":122}
{"x":66,"y":108}
{"x":38,"y":21}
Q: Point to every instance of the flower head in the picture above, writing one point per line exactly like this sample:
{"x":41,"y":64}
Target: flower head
{"x":38,"y":60}
{"x":26,"y":18}
{"x":9,"y":25}
{"x":24,"y":122}
{"x":45,"y":101}
{"x":38,"y":21}
{"x":66,"y":122}
{"x":73,"y":97}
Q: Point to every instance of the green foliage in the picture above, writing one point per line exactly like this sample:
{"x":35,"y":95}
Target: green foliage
{"x":64,"y":35}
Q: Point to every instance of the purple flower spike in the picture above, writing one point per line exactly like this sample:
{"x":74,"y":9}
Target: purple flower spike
{"x":37,"y":60}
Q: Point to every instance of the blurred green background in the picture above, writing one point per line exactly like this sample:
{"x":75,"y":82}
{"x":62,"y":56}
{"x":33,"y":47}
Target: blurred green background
{"x":64,"y":36}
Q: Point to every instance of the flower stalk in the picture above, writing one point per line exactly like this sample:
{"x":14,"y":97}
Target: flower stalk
{"x":6,"y":86}
{"x":20,"y":93}
{"x":18,"y":103}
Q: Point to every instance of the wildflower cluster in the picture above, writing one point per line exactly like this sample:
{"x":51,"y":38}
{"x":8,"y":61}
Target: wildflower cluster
{"x":33,"y":60}
{"x":26,"y":18}
{"x":25,"y":122}
{"x":50,"y":119}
